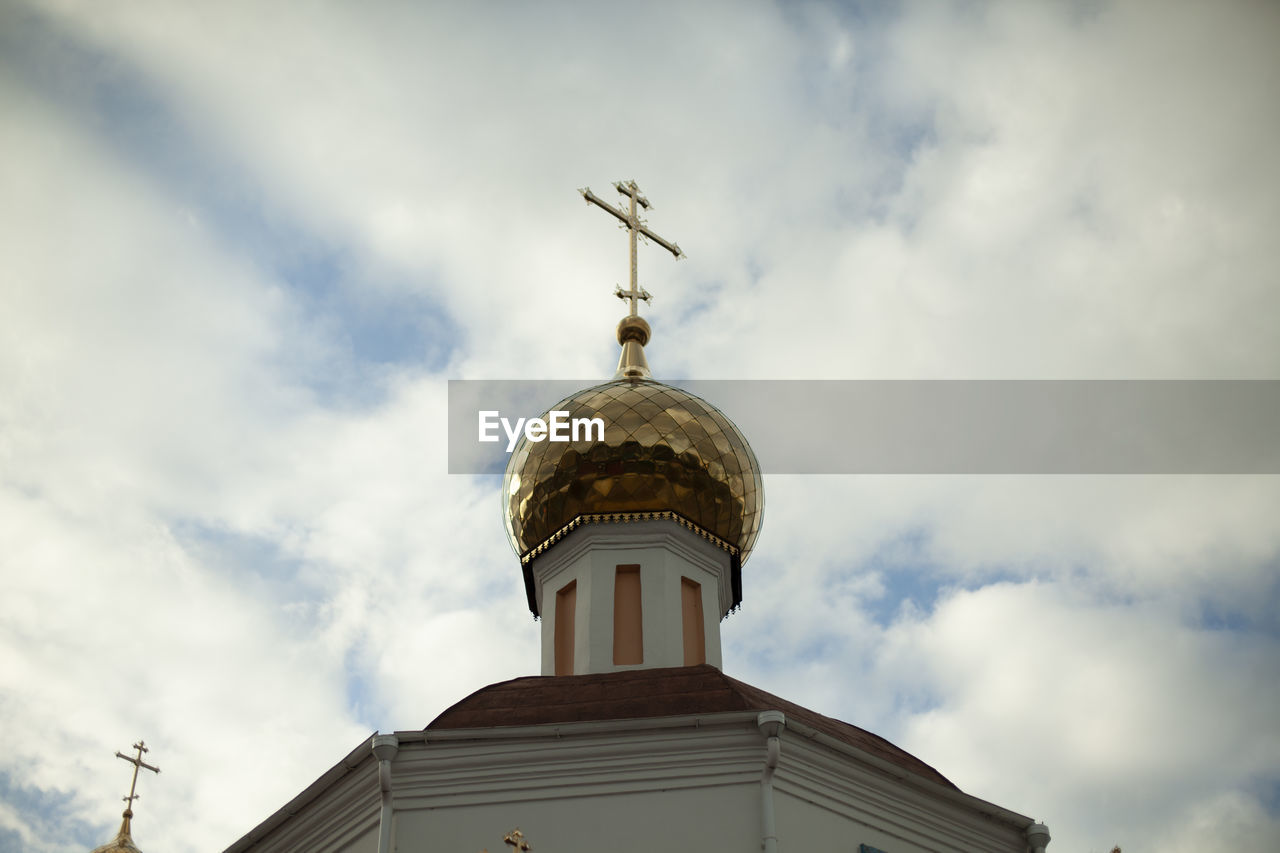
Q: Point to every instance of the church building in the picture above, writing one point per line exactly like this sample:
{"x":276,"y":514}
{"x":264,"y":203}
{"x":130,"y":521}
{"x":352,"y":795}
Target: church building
{"x":632,"y":739}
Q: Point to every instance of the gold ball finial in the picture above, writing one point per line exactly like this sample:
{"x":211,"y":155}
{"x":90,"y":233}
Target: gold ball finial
{"x":633,"y":328}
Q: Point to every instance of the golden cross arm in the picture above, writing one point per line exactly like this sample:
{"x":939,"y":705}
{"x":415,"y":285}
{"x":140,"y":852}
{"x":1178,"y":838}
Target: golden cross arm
{"x":592,"y":198}
{"x":670,"y":247}
{"x":139,"y":762}
{"x":632,"y":222}
{"x":629,"y":189}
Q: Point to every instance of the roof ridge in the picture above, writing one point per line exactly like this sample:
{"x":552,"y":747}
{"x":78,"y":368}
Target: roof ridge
{"x":886,"y":745}
{"x":649,"y":693}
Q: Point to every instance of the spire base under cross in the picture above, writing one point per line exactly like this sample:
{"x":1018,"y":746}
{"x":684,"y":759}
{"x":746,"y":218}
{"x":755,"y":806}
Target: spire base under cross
{"x":633,"y":334}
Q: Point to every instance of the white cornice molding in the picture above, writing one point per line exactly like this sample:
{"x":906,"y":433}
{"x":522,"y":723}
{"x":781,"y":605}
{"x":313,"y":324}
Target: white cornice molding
{"x":796,"y":733}
{"x":490,"y":765}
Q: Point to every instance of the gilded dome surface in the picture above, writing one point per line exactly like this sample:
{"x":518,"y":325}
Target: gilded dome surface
{"x":663,"y":450}
{"x":118,"y":845}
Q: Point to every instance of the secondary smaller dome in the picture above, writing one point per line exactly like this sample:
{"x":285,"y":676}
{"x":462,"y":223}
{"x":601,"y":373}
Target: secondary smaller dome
{"x":123,"y":842}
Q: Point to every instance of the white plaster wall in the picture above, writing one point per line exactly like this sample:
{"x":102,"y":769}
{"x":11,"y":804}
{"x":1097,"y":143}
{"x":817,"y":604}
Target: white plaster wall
{"x":665,"y":552}
{"x":359,"y":841}
{"x":682,"y":821}
{"x":804,"y":825}
{"x":822,"y":800}
{"x":587,"y":787}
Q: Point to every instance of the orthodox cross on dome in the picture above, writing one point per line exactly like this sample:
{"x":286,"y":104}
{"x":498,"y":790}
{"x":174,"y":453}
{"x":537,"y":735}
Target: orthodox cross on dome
{"x":138,"y":764}
{"x":636,"y":228}
{"x":515,"y":839}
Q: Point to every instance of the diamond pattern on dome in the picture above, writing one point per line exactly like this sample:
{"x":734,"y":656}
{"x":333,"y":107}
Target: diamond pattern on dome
{"x":663,"y":449}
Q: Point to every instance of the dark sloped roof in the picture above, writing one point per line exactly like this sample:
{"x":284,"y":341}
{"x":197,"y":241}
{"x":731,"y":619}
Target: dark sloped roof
{"x":647,"y":693}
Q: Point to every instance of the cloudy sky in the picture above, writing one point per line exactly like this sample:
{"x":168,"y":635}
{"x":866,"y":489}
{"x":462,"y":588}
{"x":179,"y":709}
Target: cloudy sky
{"x":245,"y":245}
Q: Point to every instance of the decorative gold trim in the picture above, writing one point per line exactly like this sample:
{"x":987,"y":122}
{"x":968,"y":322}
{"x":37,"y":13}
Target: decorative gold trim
{"x":624,"y":518}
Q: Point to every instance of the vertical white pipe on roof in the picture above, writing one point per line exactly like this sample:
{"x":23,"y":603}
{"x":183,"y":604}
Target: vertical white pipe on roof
{"x":770,"y":724}
{"x":385,"y":748}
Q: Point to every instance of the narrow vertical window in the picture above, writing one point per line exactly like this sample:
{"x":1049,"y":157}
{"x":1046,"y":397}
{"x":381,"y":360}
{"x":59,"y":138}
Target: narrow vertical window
{"x":695,"y":641}
{"x":628,"y":630}
{"x":566,"y":603}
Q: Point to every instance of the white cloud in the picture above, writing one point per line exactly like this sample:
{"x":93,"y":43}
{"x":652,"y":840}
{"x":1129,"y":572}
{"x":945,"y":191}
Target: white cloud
{"x":1119,"y":714}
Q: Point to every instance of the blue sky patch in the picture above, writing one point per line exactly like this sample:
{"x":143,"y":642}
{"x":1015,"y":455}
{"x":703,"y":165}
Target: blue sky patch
{"x":55,"y":812}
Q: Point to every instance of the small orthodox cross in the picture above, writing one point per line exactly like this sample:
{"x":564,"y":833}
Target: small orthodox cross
{"x":138,"y":764}
{"x":635,"y":228}
{"x":516,"y":839}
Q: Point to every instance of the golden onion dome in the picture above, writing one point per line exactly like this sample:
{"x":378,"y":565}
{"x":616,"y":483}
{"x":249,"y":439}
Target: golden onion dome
{"x":666,"y":453}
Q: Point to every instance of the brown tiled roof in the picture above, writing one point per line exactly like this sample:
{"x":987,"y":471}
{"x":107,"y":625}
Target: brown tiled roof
{"x":647,"y":693}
